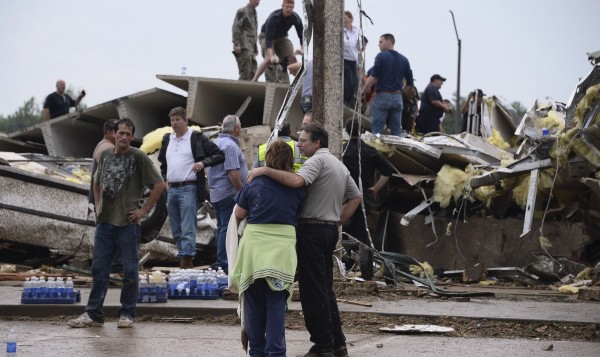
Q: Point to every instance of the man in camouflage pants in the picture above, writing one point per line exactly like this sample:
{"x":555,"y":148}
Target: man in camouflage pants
{"x":244,"y":32}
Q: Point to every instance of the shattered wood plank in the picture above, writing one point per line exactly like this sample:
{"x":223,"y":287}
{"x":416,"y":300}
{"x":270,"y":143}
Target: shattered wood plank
{"x":355,"y":302}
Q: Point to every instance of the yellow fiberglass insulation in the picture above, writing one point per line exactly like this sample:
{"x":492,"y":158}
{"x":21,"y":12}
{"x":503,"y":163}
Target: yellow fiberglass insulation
{"x":497,"y":140}
{"x":153,"y":140}
{"x":585,"y":103}
{"x":521,"y":189}
{"x":552,"y":122}
{"x":449,"y":182}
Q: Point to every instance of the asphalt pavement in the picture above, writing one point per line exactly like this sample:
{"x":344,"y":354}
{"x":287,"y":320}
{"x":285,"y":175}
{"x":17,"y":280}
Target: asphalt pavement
{"x":50,"y":336}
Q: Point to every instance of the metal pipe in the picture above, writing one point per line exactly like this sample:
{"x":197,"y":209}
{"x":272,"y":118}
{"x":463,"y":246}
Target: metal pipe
{"x":457,"y":119}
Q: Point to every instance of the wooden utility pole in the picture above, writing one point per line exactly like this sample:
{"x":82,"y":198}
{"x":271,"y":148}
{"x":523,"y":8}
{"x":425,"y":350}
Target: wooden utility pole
{"x":328,"y":68}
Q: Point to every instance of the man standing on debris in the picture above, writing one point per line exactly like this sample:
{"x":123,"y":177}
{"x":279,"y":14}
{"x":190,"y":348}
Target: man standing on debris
{"x":225,"y":181}
{"x":276,"y":47}
{"x":331,"y":198}
{"x":183,"y":156}
{"x":244,"y":33}
{"x":432,"y":106}
{"x":362,"y":162}
{"x":390,"y":69}
{"x":283,"y":135}
{"x":59,"y":102}
{"x":470,"y":116}
{"x":118,"y":186}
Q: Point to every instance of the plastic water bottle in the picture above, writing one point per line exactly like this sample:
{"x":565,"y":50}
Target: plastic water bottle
{"x":212,"y":284}
{"x":69,"y":287}
{"x":42,"y":290}
{"x":144,"y":289}
{"x":27,"y":288}
{"x":60,"y":288}
{"x":33,"y":287}
{"x":51,"y":285}
{"x":11,"y":343}
{"x":221,"y":278}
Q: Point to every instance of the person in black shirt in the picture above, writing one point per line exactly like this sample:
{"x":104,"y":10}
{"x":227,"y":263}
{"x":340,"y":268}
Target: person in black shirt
{"x":432,"y":106}
{"x":370,"y":161}
{"x":58,"y":103}
{"x":276,"y":46}
{"x":470,"y":116}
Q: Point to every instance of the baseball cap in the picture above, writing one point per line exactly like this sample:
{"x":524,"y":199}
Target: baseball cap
{"x":480,"y":93}
{"x":437,"y":76}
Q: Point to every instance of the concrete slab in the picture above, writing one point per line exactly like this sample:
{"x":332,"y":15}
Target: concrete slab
{"x":587,"y":312}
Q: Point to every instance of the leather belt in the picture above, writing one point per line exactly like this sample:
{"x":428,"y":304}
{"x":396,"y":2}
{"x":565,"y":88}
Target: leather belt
{"x":315,"y":221}
{"x":179,"y":184}
{"x":389,"y":91}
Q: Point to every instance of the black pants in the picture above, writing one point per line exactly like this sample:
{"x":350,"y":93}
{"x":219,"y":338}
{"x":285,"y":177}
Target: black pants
{"x":350,"y":81}
{"x":315,"y":245}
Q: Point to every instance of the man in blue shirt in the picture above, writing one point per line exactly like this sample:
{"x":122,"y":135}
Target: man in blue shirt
{"x":388,"y":73}
{"x":225,"y":181}
{"x":432,"y":106}
{"x":274,"y":42}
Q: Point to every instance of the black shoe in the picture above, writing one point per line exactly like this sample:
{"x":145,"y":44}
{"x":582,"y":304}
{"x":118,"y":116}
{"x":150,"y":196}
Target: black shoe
{"x":318,"y":354}
{"x":341,"y":351}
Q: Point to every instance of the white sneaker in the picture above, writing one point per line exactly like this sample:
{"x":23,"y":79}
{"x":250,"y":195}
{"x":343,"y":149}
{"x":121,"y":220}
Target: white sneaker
{"x":84,"y":321}
{"x":125,"y":322}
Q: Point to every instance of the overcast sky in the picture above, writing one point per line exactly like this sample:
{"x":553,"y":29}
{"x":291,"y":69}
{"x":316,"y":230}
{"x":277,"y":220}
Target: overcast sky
{"x":518,"y":49}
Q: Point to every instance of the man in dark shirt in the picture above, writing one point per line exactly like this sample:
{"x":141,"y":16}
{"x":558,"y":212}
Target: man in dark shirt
{"x":58,"y":103}
{"x":432,"y":106}
{"x":276,"y":46}
{"x":390,"y":69}
{"x":471,"y":112}
{"x":370,"y":161}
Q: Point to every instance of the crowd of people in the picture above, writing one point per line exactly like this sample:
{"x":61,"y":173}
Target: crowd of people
{"x":296,"y":199}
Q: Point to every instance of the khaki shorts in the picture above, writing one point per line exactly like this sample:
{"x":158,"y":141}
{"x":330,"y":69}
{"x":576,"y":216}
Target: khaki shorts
{"x":282,"y":47}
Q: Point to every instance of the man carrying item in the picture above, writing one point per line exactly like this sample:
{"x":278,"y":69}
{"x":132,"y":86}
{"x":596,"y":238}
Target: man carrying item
{"x":283,"y":135}
{"x":432,"y":106}
{"x":118,"y":186}
{"x":244,"y":33}
{"x":369,"y":161}
{"x":183,"y":156}
{"x":471,"y":110}
{"x":387,"y":74}
{"x":59,"y":102}
{"x":225,"y":181}
{"x":276,"y":46}
{"x":331,"y":198}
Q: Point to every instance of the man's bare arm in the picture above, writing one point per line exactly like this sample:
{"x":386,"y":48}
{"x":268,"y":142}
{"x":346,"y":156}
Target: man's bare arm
{"x":349,"y":207}
{"x":285,"y":178}
{"x":235,"y":178}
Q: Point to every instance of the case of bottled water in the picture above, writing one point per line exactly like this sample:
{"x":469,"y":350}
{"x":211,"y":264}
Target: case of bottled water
{"x":54,"y":291}
{"x":153,"y":288}
{"x":196,"y":284}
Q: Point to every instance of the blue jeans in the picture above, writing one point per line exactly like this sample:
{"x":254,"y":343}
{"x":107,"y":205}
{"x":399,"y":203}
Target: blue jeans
{"x":387,"y":110}
{"x":265,"y":319}
{"x":107,"y":241}
{"x":223,"y":211}
{"x":183,"y":208}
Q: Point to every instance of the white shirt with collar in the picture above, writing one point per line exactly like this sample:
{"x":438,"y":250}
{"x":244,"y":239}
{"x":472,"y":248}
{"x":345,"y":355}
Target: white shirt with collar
{"x":351,"y":44}
{"x":180,"y":160}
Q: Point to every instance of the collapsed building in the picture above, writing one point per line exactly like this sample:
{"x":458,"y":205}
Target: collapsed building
{"x":521,"y":191}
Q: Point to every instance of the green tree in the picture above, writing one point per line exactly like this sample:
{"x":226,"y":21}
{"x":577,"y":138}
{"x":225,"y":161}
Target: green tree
{"x":520,"y":108}
{"x":27,"y":115}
